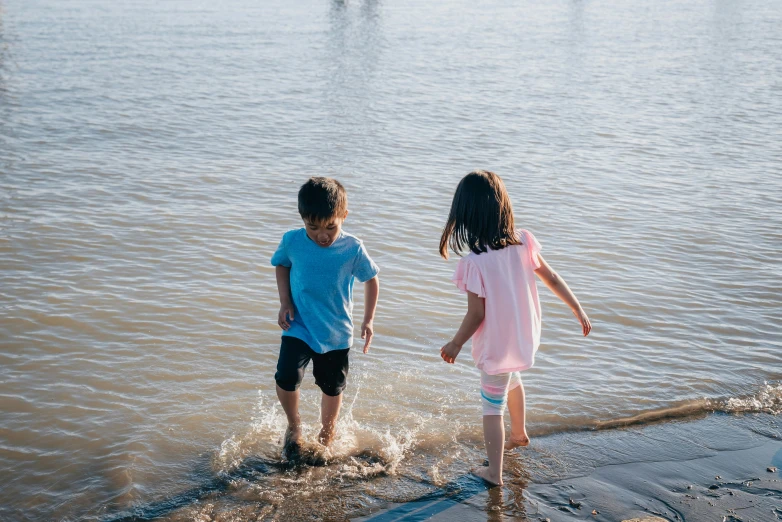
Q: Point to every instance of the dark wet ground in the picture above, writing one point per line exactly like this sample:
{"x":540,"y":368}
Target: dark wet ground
{"x":702,"y":469}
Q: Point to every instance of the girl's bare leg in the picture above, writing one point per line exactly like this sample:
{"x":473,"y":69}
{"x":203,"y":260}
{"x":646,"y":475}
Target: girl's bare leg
{"x":494,"y":438}
{"x":518,"y":428}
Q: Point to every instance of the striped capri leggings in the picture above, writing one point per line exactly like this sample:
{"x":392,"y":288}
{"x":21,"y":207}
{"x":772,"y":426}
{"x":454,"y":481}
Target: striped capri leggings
{"x":494,"y":391}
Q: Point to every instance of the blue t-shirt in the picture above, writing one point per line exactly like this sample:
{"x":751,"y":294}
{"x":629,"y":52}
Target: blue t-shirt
{"x":322,"y":287}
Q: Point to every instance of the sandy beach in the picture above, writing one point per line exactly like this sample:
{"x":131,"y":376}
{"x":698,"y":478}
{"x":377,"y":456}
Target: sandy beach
{"x":720,"y":467}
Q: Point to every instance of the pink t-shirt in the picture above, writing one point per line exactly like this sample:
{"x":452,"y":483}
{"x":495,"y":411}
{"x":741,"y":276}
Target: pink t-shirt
{"x":509,"y":336}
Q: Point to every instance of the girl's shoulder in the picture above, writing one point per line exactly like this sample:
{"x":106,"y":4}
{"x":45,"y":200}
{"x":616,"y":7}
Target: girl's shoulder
{"x":527,"y":242}
{"x":530,"y":243}
{"x":528,"y":247}
{"x":524,"y":235}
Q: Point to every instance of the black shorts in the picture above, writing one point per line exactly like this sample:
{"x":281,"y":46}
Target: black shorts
{"x":330,"y":369}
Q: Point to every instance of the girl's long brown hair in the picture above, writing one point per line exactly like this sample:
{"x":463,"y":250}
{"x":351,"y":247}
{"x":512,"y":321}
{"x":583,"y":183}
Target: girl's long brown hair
{"x":481,"y":216}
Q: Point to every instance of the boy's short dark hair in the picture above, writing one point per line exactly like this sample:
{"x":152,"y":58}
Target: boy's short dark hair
{"x":321,"y":199}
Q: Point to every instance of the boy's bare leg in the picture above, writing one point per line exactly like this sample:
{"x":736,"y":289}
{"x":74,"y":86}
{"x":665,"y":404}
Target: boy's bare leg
{"x":494,"y":438}
{"x":290,"y":404}
{"x":329,"y":412}
{"x":518,"y":428}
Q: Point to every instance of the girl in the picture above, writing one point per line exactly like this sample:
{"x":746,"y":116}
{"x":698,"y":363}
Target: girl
{"x":503,"y":312}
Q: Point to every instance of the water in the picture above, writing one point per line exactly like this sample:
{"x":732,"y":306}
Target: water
{"x":150,"y":155}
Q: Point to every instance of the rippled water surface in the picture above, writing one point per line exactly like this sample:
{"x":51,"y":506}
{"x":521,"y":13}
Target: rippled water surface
{"x":150,"y":154}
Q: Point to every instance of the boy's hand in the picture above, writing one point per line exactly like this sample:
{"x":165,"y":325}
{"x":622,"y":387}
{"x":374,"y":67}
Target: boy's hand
{"x":367,"y":331}
{"x":586,"y":325}
{"x":285,"y":316}
{"x":450,"y":351}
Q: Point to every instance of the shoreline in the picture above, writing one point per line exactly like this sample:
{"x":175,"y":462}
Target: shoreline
{"x":717,"y":467}
{"x":721,"y":467}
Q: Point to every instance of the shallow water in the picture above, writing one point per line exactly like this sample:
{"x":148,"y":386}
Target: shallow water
{"x":150,"y":155}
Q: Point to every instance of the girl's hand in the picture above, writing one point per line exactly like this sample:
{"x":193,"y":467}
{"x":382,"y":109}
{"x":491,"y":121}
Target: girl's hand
{"x":285,"y":316}
{"x":586,"y":325}
{"x":450,"y":351}
{"x":367,"y":331}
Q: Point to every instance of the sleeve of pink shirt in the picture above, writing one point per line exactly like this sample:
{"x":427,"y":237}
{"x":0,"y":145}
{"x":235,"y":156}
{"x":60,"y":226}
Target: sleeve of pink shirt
{"x":468,"y":278}
{"x":533,"y":247}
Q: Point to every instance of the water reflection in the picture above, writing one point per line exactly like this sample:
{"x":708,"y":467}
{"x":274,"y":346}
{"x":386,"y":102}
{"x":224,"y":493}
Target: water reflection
{"x":494,"y":505}
{"x":4,"y":62}
{"x":576,"y":24}
{"x":355,"y":37}
{"x":5,"y":101}
{"x":725,"y":31}
{"x":354,"y":47}
{"x":576,"y":55}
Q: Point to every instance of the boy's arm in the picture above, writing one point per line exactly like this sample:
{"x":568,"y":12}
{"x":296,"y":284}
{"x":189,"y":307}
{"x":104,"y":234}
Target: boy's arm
{"x":476,"y":310}
{"x":371,"y":293}
{"x":285,"y":315}
{"x":560,"y":288}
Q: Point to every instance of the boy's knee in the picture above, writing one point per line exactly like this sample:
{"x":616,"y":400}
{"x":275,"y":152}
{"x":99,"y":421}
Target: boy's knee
{"x":331,"y":372}
{"x":288,"y":380}
{"x":333,"y":381}
{"x":332,"y":389}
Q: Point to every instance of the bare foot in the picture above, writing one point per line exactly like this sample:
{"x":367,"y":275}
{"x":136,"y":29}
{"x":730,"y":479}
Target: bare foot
{"x":292,"y":435}
{"x":483,"y":472}
{"x":326,"y":435}
{"x":291,"y":446}
{"x":516,"y":442}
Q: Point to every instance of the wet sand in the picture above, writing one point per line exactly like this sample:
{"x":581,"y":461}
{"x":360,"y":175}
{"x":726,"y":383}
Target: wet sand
{"x":719,"y":467}
{"x":716,"y":466}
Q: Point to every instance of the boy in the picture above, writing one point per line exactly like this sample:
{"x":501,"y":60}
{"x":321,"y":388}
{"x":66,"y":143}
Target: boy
{"x":315,"y":267}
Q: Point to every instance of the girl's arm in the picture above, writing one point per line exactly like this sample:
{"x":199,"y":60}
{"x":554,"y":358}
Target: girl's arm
{"x":283,"y":274}
{"x":371,"y":292}
{"x":560,"y":288}
{"x":472,"y":320}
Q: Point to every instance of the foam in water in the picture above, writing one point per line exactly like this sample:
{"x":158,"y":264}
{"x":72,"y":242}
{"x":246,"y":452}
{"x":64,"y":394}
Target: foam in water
{"x":767,"y":400}
{"x":358,"y":450}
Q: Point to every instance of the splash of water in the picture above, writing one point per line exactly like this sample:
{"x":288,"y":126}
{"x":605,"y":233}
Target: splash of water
{"x":358,"y":450}
{"x":767,"y":400}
